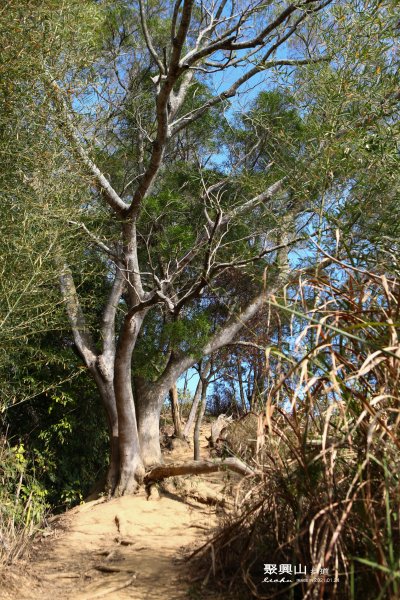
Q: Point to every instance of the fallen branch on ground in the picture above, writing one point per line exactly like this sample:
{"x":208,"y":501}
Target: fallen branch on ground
{"x":197,"y":467}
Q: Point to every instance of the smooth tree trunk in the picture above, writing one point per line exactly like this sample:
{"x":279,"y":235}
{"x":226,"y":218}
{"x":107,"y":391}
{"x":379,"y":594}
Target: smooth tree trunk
{"x":131,"y":471}
{"x":149,"y":401}
{"x":234,"y":403}
{"x":193,"y":410}
{"x":175,"y":412}
{"x":196,"y":400}
{"x":200,"y":415}
{"x":241,"y":388}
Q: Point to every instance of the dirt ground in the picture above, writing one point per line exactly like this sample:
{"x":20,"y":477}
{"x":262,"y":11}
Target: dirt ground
{"x":126,"y":548}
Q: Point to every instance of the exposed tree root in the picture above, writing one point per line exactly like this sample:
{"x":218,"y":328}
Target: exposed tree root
{"x":108,"y":569}
{"x":110,"y":590}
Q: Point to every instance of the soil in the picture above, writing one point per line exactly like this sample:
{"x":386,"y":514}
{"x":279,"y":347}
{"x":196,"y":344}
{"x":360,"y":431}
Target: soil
{"x":132,"y":547}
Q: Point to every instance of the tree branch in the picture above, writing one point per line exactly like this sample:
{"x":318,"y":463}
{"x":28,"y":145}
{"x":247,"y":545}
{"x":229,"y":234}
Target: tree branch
{"x":197,"y":467}
{"x":235,"y":212}
{"x":261,"y":65}
{"x":95,"y":239}
{"x":178,"y":364}
{"x":147,"y":38}
{"x":82,"y":337}
{"x":71,"y":133}
{"x":109,"y":314}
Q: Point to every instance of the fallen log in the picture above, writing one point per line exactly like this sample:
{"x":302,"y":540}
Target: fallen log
{"x":197,"y":467}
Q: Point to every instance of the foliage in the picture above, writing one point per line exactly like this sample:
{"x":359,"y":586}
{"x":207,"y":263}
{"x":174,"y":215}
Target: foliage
{"x":23,"y":501}
{"x":55,"y":412}
{"x":41,"y":220}
{"x":350,"y":109}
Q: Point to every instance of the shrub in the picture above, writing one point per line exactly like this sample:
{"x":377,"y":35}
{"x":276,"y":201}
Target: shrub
{"x":22,"y":501}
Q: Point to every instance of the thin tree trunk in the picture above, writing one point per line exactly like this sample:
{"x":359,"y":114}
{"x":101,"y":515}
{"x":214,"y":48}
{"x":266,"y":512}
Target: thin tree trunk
{"x":196,"y":400}
{"x":234,"y":403}
{"x":241,"y":390}
{"x":176,"y":417}
{"x":200,"y":415}
{"x":254,"y":390}
{"x":193,"y":410}
{"x":259,"y":387}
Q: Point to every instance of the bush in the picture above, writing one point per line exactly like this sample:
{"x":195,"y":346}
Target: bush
{"x":56,"y":414}
{"x":22,"y":501}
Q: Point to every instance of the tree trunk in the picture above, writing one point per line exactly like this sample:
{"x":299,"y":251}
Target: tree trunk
{"x":252,"y":397}
{"x":149,"y":433}
{"x":259,"y":385}
{"x":193,"y":410}
{"x":196,"y":399}
{"x":176,"y":417}
{"x":107,"y":395}
{"x":234,"y":403}
{"x":149,"y":399}
{"x":241,"y":390}
{"x":202,"y":410}
{"x":131,"y":470}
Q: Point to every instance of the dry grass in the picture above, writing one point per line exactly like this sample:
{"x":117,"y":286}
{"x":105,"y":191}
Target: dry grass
{"x":330,"y":495}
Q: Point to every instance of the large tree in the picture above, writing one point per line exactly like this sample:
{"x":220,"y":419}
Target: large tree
{"x":168,"y":244}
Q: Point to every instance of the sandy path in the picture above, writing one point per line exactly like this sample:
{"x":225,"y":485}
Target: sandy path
{"x":139,"y":542}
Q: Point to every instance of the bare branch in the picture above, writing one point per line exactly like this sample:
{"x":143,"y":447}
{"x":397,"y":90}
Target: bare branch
{"x":228,"y":217}
{"x":226,"y":334}
{"x":261,"y":65}
{"x":179,"y":40}
{"x":95,"y":239}
{"x":148,"y":40}
{"x":82,"y":337}
{"x":288,"y":62}
{"x":68,"y":127}
{"x":247,"y":344}
{"x":163,"y":99}
{"x":175,"y":19}
{"x":253,"y":202}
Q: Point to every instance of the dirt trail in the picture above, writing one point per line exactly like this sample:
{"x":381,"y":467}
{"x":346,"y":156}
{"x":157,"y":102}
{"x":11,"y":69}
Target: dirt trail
{"x":125,"y":548}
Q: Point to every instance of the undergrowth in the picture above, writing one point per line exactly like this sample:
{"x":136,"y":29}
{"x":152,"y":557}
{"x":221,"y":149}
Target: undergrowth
{"x":328,"y":501}
{"x":22,"y":502}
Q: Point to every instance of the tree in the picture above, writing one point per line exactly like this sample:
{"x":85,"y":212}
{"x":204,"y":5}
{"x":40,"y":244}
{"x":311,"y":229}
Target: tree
{"x":134,"y":420}
{"x":162,"y":239}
